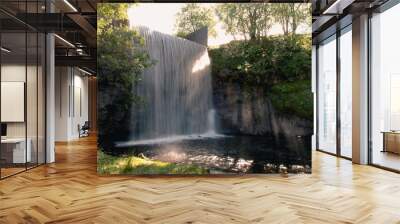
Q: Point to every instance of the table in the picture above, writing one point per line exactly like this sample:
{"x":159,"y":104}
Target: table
{"x":13,"y":150}
{"x":391,"y":141}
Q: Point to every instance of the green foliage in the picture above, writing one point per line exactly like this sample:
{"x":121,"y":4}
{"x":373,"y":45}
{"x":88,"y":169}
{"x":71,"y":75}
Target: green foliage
{"x":254,"y":20}
{"x":120,"y":62}
{"x":265,"y":62}
{"x":291,"y":15}
{"x":193,"y":17}
{"x":279,"y":65}
{"x":293,"y":98}
{"x":248,"y":20}
{"x":107,"y":164}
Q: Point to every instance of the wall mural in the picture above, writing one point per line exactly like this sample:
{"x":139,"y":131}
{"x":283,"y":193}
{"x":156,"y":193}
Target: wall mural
{"x":208,"y":89}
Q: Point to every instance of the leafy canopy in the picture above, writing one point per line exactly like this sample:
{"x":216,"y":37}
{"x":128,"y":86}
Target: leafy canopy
{"x":266,"y":62}
{"x":193,"y":17}
{"x":247,"y":20}
{"x":291,"y":15}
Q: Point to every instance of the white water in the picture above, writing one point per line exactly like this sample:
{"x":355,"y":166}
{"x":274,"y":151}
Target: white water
{"x":177,"y":92}
{"x":211,"y":133}
{"x":170,"y":139}
{"x":211,"y":122}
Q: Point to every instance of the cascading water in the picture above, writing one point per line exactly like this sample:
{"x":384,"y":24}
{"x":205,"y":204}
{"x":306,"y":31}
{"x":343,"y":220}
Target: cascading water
{"x":176,"y":90}
{"x":211,"y":123}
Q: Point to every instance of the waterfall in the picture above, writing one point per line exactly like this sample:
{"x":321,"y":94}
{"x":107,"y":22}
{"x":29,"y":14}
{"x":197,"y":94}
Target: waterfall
{"x":211,"y":123}
{"x":176,"y":90}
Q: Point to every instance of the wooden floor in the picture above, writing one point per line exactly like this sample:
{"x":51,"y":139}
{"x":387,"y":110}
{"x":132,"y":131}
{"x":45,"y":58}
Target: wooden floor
{"x":70,"y":191}
{"x":387,"y":159}
{"x":10,"y":171}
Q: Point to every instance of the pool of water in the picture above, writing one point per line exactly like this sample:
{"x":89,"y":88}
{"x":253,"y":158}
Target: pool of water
{"x":232,"y":154}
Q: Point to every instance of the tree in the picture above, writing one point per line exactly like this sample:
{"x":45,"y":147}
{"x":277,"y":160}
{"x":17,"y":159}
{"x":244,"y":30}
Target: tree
{"x":193,"y":17}
{"x":120,"y":62}
{"x":249,"y":20}
{"x":291,"y":15}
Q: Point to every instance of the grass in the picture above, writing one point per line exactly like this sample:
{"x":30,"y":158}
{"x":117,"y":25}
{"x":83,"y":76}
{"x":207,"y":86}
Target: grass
{"x":134,"y":165}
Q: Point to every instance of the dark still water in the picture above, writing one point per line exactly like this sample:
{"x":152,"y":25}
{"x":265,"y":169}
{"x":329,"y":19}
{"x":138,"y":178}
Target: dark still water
{"x":232,"y":154}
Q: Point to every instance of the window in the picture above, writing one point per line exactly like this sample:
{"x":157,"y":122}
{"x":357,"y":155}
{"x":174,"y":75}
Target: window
{"x":385,"y":89}
{"x":327,"y":95}
{"x":346,"y":92}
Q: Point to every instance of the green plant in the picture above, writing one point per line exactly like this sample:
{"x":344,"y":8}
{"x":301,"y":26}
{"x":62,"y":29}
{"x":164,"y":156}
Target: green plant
{"x":120,"y":61}
{"x":193,"y":17}
{"x":250,"y":21}
{"x":291,"y":15}
{"x":293,"y":98}
{"x":107,"y":164}
{"x":263,"y":63}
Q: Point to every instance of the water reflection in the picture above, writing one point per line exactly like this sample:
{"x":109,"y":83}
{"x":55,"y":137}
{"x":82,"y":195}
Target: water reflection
{"x":234,"y":154}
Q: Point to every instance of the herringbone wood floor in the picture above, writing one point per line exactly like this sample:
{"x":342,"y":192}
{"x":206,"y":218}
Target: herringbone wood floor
{"x":70,"y":191}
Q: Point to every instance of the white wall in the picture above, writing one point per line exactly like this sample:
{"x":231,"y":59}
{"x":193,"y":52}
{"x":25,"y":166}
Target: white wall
{"x":62,"y":82}
{"x":16,"y":73}
{"x":80,"y":88}
{"x":70,"y":83}
{"x":33,"y":127}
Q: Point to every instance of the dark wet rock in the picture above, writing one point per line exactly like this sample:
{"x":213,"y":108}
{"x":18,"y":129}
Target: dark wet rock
{"x":242,"y":113}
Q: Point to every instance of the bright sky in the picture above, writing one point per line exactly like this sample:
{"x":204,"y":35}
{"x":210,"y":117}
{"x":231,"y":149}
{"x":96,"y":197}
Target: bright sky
{"x":161,"y":17}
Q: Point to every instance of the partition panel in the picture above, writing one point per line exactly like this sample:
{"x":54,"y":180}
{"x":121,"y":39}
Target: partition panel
{"x":22,"y":77}
{"x":15,"y":149}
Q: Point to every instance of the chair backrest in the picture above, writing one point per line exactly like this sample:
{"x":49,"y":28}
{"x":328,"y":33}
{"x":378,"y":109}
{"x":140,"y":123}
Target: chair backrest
{"x":86,"y":125}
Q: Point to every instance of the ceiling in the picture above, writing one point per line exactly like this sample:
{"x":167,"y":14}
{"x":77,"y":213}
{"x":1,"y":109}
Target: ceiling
{"x":74,"y":23}
{"x":330,"y":15}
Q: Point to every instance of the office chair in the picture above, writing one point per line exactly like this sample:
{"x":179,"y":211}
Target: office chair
{"x":84,"y":130}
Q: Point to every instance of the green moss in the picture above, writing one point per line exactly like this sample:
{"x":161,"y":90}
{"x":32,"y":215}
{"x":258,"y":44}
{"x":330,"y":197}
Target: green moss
{"x":293,"y":98}
{"x":107,"y":164}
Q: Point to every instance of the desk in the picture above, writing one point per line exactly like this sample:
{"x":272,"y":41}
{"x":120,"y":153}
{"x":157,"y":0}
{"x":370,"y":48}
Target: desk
{"x":13,"y":150}
{"x":391,"y":141}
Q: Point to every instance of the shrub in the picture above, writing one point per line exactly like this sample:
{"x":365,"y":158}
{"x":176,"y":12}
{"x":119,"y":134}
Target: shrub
{"x":293,"y":98}
{"x":266,"y":62}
